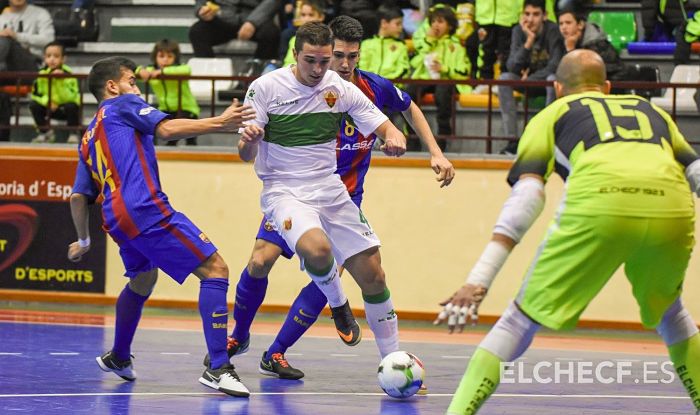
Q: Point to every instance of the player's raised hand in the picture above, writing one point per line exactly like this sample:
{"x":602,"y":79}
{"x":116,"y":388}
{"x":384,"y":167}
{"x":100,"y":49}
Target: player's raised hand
{"x":461,"y":307}
{"x":236,"y":116}
{"x":443,"y":168}
{"x":252,"y":134}
{"x":76,"y":252}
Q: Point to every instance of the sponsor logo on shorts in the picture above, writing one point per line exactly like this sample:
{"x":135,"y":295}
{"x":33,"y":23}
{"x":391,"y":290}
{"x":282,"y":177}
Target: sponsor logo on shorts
{"x":204,"y":238}
{"x":330,"y":97}
{"x":288,"y":224}
{"x":268,"y":226}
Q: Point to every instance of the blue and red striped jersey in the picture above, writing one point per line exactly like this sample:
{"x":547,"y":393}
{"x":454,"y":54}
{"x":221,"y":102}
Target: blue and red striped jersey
{"x":117,"y":159}
{"x":354,"y":150}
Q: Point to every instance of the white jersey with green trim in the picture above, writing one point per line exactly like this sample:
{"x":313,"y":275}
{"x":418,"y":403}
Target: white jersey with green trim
{"x":301,"y":123}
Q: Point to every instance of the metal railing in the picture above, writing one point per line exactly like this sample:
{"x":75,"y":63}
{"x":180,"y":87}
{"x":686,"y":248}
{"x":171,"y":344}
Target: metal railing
{"x":19,"y":79}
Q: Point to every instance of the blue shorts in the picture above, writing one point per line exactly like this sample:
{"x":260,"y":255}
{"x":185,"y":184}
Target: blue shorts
{"x":175,"y":245}
{"x":267,"y":233}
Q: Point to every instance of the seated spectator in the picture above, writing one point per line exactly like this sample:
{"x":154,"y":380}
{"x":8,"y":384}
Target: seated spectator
{"x":363,"y":10}
{"x":24,"y":30}
{"x":440,"y":55}
{"x":386,"y":54}
{"x":581,"y":34}
{"x":310,"y":11}
{"x":225,"y":20}
{"x":496,"y":20}
{"x":64,"y":102}
{"x":671,"y":17}
{"x":165,"y":60}
{"x":536,"y":48}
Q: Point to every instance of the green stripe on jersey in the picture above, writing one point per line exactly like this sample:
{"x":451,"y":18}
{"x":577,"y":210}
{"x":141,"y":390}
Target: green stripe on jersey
{"x":294,"y":130}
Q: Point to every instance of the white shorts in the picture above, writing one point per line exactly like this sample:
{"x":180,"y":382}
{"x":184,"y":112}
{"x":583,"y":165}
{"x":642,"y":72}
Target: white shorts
{"x":295,"y":207}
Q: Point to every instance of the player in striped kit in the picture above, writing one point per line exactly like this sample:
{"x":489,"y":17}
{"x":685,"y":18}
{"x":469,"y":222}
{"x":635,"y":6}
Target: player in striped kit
{"x":353,"y":152}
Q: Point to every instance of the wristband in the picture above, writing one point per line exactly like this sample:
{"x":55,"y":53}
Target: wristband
{"x":486,"y":268}
{"x":84,"y":243}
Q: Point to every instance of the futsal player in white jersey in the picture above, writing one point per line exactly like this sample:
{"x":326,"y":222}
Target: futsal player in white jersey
{"x":293,"y":140}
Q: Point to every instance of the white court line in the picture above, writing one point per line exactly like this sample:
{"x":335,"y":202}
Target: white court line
{"x":10,"y":354}
{"x":175,"y":353}
{"x":294,"y":354}
{"x":344,"y":355}
{"x":455,"y":357}
{"x":499,"y":395}
{"x":64,"y":353}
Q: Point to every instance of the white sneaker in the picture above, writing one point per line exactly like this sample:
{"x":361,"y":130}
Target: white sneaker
{"x":73,"y":139}
{"x":47,"y":137}
{"x":226,"y":380}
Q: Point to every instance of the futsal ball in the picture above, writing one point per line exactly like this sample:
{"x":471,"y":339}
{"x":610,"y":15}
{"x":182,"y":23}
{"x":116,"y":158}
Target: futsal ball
{"x":400,"y":374}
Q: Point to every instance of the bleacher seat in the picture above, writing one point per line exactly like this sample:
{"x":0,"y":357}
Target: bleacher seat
{"x":651,"y":48}
{"x":209,"y":66}
{"x":620,"y":27}
{"x":684,"y":96}
{"x":478,"y":101}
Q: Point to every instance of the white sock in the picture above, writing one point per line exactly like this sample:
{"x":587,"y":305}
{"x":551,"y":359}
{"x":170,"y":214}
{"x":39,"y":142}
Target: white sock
{"x":384,"y":323}
{"x":330,"y":285}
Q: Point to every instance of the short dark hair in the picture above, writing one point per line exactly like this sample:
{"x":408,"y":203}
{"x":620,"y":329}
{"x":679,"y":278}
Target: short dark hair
{"x":56,"y":44}
{"x":446,"y":13}
{"x":579,"y":15}
{"x":313,"y":33}
{"x":347,"y":29}
{"x":168,"y":46}
{"x":105,"y":70}
{"x":388,"y":13}
{"x":535,"y":3}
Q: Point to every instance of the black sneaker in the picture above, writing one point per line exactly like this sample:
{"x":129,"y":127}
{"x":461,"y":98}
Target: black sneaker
{"x":345,"y":324}
{"x":226,"y":380}
{"x":233,"y":348}
{"x":122,"y":368}
{"x":511,"y":149}
{"x":278,"y":366}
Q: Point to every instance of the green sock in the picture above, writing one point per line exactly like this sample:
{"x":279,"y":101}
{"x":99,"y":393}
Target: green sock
{"x":685,"y":356}
{"x":479,"y":382}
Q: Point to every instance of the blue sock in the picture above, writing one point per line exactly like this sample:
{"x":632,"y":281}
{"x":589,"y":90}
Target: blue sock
{"x":214,"y":312}
{"x":250,"y":293}
{"x":302,"y":314}
{"x":129,"y":306}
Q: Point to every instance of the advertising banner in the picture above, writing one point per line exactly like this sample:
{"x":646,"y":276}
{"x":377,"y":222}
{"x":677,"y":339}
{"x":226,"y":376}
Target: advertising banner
{"x":36,"y":229}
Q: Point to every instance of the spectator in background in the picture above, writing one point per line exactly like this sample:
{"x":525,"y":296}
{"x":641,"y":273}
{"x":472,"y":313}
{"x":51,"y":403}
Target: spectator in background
{"x":24,"y":30}
{"x":496,"y":19}
{"x":173,"y":99}
{"x":386,"y":54}
{"x":440,"y":55}
{"x":363,"y":10}
{"x":224,"y":20}
{"x":309,"y":11}
{"x":536,"y":48}
{"x":64,"y":102}
{"x":581,"y":34}
{"x":671,"y":16}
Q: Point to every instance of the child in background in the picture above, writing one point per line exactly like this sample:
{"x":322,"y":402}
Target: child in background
{"x":65,"y":96}
{"x":166,"y":61}
{"x":310,"y":11}
{"x":386,"y":54}
{"x":440,"y":55}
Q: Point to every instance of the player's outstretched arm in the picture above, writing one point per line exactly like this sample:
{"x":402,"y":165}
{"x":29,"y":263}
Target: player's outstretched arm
{"x":248,"y":144}
{"x":438,"y":162}
{"x":519,"y":212}
{"x":394,"y":140}
{"x":233,"y":118}
{"x":79,"y":212}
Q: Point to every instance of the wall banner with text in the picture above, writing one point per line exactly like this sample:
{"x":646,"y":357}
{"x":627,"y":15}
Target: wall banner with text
{"x":36,"y":229}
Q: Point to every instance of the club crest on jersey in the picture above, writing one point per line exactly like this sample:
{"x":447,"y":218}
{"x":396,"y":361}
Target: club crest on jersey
{"x":287,"y":224}
{"x":204,"y":238}
{"x":268,"y":226}
{"x":330,"y":97}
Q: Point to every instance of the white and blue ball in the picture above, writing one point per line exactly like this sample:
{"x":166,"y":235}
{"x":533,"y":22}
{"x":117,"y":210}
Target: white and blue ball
{"x":400,"y":374}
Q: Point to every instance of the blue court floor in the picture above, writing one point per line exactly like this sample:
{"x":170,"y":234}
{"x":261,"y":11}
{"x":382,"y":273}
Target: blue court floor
{"x":51,"y":369}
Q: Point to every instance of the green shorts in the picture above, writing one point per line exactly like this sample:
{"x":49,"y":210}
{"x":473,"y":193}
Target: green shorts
{"x":579,"y":254}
